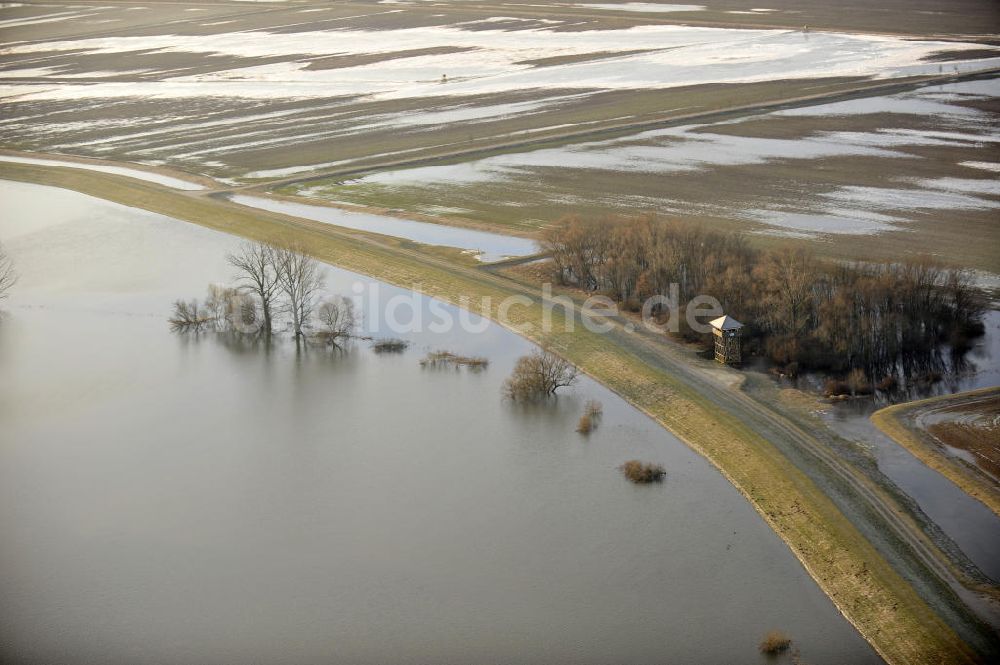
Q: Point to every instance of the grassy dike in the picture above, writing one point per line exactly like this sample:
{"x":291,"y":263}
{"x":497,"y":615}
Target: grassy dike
{"x":896,"y":422}
{"x":866,"y":589}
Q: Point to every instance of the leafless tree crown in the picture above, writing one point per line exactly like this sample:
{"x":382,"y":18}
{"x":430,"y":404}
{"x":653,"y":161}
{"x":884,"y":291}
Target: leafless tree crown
{"x":539,"y":374}
{"x":8,"y":276}
{"x":258,"y":275}
{"x":301,"y":279}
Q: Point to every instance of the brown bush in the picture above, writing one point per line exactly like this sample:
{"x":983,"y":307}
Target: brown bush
{"x":594,"y":409}
{"x":642,"y":472}
{"x":823,"y":315}
{"x":538,"y":375}
{"x":585,"y":424}
{"x":389,"y":345}
{"x":835,"y":387}
{"x":775,"y":642}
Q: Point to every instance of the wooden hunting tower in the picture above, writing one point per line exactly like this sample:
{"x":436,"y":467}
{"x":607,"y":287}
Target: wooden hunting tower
{"x":727,"y":339}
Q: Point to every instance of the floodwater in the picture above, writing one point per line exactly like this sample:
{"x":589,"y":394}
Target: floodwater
{"x":176,"y":499}
{"x":139,"y":174}
{"x":973,"y":527}
{"x":685,"y":157}
{"x":487,"y":246}
{"x":668,"y":56}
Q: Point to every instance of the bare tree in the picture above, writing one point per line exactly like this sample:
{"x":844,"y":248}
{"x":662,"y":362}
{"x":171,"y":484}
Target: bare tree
{"x":221,"y":305}
{"x":258,"y":275}
{"x":190,"y":317}
{"x":539,"y":374}
{"x":8,"y":276}
{"x":337,"y":318}
{"x":301,"y":280}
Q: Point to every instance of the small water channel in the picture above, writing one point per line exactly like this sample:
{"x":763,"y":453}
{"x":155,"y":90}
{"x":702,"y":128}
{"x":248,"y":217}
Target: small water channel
{"x":487,"y":246}
{"x":139,"y":174}
{"x":969,"y":523}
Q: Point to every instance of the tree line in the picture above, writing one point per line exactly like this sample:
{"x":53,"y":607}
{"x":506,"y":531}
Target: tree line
{"x":271,"y":281}
{"x":800,"y":312}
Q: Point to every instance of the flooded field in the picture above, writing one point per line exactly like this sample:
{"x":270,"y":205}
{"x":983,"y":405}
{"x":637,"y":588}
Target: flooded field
{"x":295,"y":88}
{"x":205,"y":500}
{"x":969,"y":432}
{"x":916,"y":170}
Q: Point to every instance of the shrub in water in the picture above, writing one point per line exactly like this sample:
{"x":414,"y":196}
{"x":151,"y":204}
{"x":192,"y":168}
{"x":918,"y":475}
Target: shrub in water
{"x":775,"y":642}
{"x":642,"y":472}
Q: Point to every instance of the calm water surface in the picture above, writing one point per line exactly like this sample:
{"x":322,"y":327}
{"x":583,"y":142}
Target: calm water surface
{"x":173,"y":499}
{"x":973,"y":527}
{"x":161,"y":179}
{"x":487,"y":246}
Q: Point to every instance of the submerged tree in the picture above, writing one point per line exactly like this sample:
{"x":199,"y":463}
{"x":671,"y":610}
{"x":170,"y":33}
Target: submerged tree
{"x":259,"y":276}
{"x":222,"y":305}
{"x":189,"y":316}
{"x":301,"y":280}
{"x":337,"y":320}
{"x":538,"y":375}
{"x":8,"y":276}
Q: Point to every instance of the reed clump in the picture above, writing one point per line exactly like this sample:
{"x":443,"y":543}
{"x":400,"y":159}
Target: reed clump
{"x":389,"y":345}
{"x":449,"y":359}
{"x":591,"y":417}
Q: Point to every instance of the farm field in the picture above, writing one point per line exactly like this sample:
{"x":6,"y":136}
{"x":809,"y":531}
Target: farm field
{"x":606,"y":110}
{"x":870,"y":178}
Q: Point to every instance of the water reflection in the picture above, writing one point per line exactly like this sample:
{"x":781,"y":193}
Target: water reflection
{"x":973,"y":527}
{"x":212,"y":499}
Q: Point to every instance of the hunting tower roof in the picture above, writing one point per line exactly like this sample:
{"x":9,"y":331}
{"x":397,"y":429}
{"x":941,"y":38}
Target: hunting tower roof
{"x":726,"y":322}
